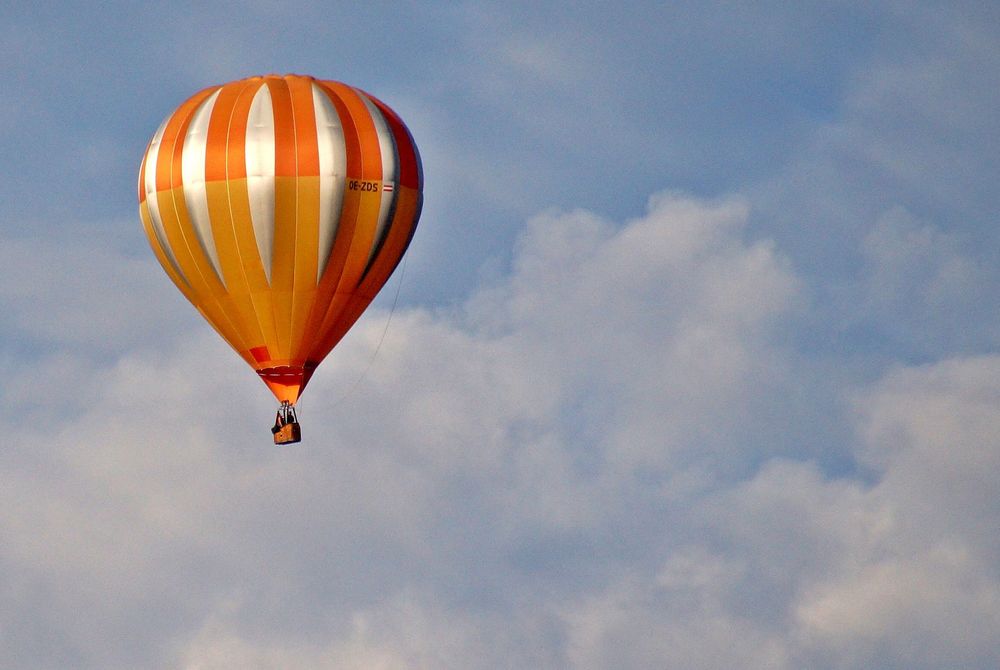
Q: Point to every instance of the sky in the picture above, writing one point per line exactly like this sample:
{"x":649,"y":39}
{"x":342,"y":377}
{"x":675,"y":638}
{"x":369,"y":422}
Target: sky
{"x":694,"y":362}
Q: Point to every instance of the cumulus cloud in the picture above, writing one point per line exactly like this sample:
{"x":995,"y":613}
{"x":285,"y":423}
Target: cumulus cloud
{"x":590,"y":463}
{"x":926,"y":592}
{"x":804,"y":570}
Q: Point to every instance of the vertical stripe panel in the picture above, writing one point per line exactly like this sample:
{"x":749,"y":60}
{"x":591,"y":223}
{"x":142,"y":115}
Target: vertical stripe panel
{"x":152,"y":202}
{"x":260,"y":175}
{"x":285,"y":196}
{"x":332,"y":173}
{"x":193,"y":171}
{"x":307,"y":199}
{"x":364,"y":155}
{"x":253,"y":287}
{"x":390,"y":175}
{"x":370,"y":157}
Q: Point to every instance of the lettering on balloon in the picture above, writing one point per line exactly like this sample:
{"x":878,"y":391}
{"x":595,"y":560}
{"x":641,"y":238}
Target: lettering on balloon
{"x":364,"y":185}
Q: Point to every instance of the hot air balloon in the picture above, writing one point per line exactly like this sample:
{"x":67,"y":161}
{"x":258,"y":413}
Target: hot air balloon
{"x":279,"y":206}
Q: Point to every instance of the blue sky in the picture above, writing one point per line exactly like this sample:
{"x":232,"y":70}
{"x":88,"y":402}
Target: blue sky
{"x":694,"y":364}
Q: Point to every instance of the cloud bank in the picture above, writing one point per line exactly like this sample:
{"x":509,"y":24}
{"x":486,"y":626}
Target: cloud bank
{"x":613,"y":456}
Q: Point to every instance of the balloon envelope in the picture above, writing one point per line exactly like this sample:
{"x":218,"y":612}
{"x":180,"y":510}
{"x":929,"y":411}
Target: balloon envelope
{"x":279,"y":206}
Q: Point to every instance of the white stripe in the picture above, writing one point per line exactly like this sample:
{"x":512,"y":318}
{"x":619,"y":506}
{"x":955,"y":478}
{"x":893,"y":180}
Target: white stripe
{"x":390,"y":172}
{"x":193,"y":172}
{"x":260,"y":174}
{"x":332,"y":173}
{"x":152,"y":201}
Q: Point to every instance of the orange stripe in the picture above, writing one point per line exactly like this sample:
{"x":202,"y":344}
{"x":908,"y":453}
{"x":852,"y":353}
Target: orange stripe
{"x":304,"y":115}
{"x":176,"y":159}
{"x":171,"y":135}
{"x":218,"y":131}
{"x":207,"y":293}
{"x":304,"y":287}
{"x":371,"y":153}
{"x":236,"y":137}
{"x":334,"y":91}
{"x":285,"y":201}
{"x":238,"y":298}
{"x":337,"y":319}
{"x":176,"y":183}
{"x":284,"y":128}
{"x":369,"y":203}
{"x":230,"y":215}
{"x":213,"y":300}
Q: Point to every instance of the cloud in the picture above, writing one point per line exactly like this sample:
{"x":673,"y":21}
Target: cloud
{"x":793,"y":568}
{"x":926,"y":592}
{"x":457,"y":468}
{"x":605,"y":458}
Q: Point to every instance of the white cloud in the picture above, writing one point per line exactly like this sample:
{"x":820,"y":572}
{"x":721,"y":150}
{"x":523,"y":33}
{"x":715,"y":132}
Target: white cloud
{"x":926,"y":593}
{"x":937,"y":609}
{"x":577,"y":468}
{"x":461,"y":451}
{"x":933,"y":434}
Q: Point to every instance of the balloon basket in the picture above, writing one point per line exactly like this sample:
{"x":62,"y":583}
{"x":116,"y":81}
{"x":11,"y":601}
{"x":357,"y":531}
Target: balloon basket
{"x":286,"y":428}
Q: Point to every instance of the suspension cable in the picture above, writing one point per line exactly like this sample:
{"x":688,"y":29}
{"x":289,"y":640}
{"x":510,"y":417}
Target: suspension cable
{"x":381,"y":339}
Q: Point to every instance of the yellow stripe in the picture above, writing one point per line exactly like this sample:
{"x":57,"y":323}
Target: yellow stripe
{"x":283,"y":271}
{"x":306,"y":261}
{"x":253,"y":279}
{"x":208,"y":298}
{"x":227,"y":244}
{"x":213,"y":318}
{"x":161,"y":256}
